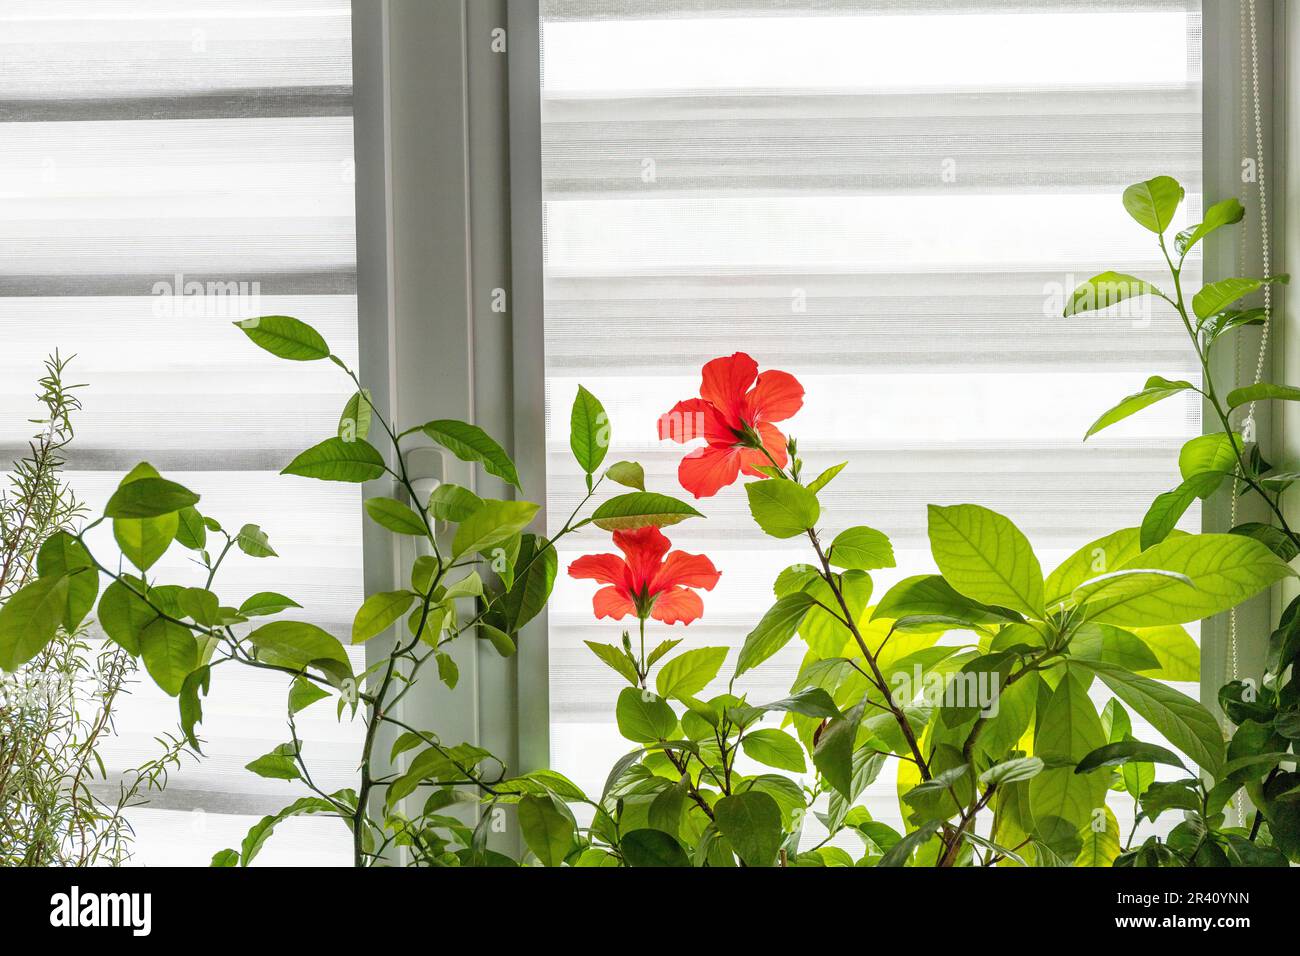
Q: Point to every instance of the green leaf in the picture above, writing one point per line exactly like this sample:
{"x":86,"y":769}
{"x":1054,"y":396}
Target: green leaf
{"x":337,"y":460}
{"x":470,"y":443}
{"x":453,"y":503}
{"x":643,"y":717}
{"x":279,"y":764}
{"x":1168,"y":509}
{"x":169,"y":652}
{"x":191,"y":530}
{"x":1183,"y":721}
{"x":833,"y":755}
{"x":588,"y":431}
{"x":201,"y":606}
{"x":285,"y":337}
{"x":775,"y":748}
{"x":627,"y":473}
{"x":1107,"y":553}
{"x":355,"y":421}
{"x":149,"y":498}
{"x":931,"y":595}
{"x":533,"y":582}
{"x":1153,"y":202}
{"x":1221,"y":214}
{"x":617,"y":660}
{"x":548,"y":832}
{"x":639,"y":509}
{"x":471,"y":585}
{"x":861,"y":548}
{"x":774,"y":630}
{"x":303,"y":693}
{"x":1103,"y":642}
{"x":144,"y":540}
{"x":1126,"y":751}
{"x":266,"y":602}
{"x":492,"y":523}
{"x":254,"y":542}
{"x":501,"y":642}
{"x":825,"y":478}
{"x":1263,"y":391}
{"x":647,"y":847}
{"x":1209,"y":453}
{"x":261,"y":831}
{"x":1012,"y":771}
{"x":63,"y":554}
{"x":781,"y":507}
{"x":448,"y":671}
{"x":1217,"y":296}
{"x":1104,"y":290}
{"x":901,"y":852}
{"x":1068,"y":730}
{"x":986,"y":557}
{"x":298,"y":644}
{"x":751,"y":822}
{"x":1179,"y":657}
{"x":395,"y":516}
{"x":1107,"y":588}
{"x":225,"y":858}
{"x":378,"y":613}
{"x":123,"y":613}
{"x":1156,"y":389}
{"x":29,"y":618}
{"x":687,"y":674}
{"x":1224,"y":570}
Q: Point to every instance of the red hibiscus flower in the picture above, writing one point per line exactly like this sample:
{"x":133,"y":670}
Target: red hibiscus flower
{"x":734,"y":416}
{"x":643,"y":583}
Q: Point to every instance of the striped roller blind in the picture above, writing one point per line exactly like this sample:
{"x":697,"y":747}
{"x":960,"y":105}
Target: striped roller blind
{"x":888,"y":200}
{"x":166,"y":167}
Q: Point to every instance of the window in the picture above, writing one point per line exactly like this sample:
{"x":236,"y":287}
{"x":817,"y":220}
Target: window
{"x":170,"y":167}
{"x":890,"y":202}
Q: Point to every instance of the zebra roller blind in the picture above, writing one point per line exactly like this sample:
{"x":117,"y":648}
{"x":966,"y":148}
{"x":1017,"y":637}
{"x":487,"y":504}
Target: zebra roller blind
{"x":167,"y":167}
{"x":888,"y":200}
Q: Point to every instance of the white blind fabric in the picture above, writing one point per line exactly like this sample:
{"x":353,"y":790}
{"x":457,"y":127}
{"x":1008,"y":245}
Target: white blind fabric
{"x":167,"y":167}
{"x":888,"y":200}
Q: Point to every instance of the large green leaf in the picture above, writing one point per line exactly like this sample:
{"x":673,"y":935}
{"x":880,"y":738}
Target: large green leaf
{"x":1105,"y":589}
{"x":652,"y":848}
{"x":266,"y":602}
{"x":1155,"y":390}
{"x":1126,"y":751}
{"x":1168,"y":509}
{"x":1153,"y":202}
{"x":1183,"y":721}
{"x":833,"y":755}
{"x":588,"y":431}
{"x":548,"y":832}
{"x":396,"y":516}
{"x":144,"y":540}
{"x":29,"y":619}
{"x":1105,"y":642}
{"x":1209,"y":453}
{"x":627,"y":473}
{"x":298,"y":644}
{"x":337,"y":460}
{"x":986,"y":557}
{"x":170,"y":652}
{"x":1179,"y":657}
{"x":1107,"y":553}
{"x":861,"y":548}
{"x":378,"y":613}
{"x":775,"y":748}
{"x":1224,"y":570}
{"x":643,"y":717}
{"x":687,"y":674}
{"x":781,"y":507}
{"x":751,"y":822}
{"x":149,"y":497}
{"x":1104,"y":290}
{"x":534,"y":578}
{"x":453,"y":503}
{"x":470,"y":443}
{"x":124,"y":613}
{"x":491,"y":524}
{"x":640,"y":509}
{"x":1221,"y":214}
{"x":1219,"y":295}
{"x":64,"y":554}
{"x":355,"y":420}
{"x":773,"y":631}
{"x":929,"y":595}
{"x":253,"y":541}
{"x":1068,"y":731}
{"x":285,"y":337}
{"x":1262,"y":391}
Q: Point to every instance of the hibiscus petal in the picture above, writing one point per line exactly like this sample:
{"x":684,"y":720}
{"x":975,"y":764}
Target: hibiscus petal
{"x":691,"y":570}
{"x":605,"y":568}
{"x":677,"y":604}
{"x":645,"y":549}
{"x":612,"y":603}
{"x":725,"y":382}
{"x":776,"y":397}
{"x":774,"y":442}
{"x":695,"y":418}
{"x":706,"y":471}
